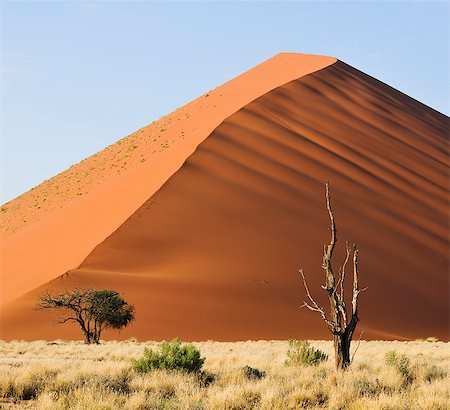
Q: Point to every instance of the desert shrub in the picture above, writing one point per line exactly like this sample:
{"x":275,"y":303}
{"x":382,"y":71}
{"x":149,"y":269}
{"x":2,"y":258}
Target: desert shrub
{"x":166,"y":391}
{"x":246,"y":401}
{"x":434,"y":373}
{"x":119,"y":383}
{"x":196,"y":406}
{"x":432,"y":339}
{"x":253,"y":374}
{"x":363,"y":366}
{"x":21,"y":391}
{"x":27,"y":386}
{"x":390,"y":358}
{"x":311,"y":399}
{"x":205,"y":378}
{"x":301,"y":353}
{"x":321,"y":374}
{"x":367,"y":388}
{"x":401,"y":363}
{"x":173,"y":355}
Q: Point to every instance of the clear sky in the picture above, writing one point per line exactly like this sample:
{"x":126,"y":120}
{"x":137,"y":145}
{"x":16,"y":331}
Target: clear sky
{"x":77,"y":76}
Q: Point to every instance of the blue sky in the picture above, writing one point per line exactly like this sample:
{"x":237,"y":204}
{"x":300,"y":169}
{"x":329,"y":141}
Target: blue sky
{"x":77,"y":76}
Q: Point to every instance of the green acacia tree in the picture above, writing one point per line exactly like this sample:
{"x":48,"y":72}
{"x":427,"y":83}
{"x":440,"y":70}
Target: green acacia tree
{"x":93,"y":310}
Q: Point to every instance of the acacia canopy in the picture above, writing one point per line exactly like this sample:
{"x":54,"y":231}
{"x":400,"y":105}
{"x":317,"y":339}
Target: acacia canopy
{"x":93,"y":310}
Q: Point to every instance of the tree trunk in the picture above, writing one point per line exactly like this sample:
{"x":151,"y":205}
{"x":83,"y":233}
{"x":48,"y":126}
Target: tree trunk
{"x":86,"y":328}
{"x":87,"y":337}
{"x":97,"y":331}
{"x":341,"y":351}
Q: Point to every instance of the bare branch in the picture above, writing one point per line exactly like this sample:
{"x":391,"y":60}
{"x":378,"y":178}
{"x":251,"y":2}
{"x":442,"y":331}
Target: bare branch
{"x":357,"y":347}
{"x":67,"y":319}
{"x":307,"y":290}
{"x":343,"y":310}
{"x":315,"y":306}
{"x":340,"y":283}
{"x":355,"y":282}
{"x":326,"y":263}
{"x":342,"y":271}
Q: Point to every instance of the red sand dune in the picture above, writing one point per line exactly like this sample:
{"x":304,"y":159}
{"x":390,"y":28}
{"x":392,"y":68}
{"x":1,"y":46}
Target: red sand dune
{"x":206,"y":235}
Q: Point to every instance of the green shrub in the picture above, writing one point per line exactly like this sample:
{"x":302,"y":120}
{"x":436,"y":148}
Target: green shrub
{"x":172,"y":356}
{"x":253,"y":374}
{"x":401,"y":363}
{"x":301,"y":353}
{"x":390,"y":358}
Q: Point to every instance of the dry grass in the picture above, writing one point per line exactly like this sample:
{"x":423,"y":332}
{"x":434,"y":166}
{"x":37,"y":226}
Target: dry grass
{"x":71,"y":375}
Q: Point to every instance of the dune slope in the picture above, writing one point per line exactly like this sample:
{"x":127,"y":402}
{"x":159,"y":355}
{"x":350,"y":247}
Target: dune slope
{"x":214,"y":253}
{"x":58,"y":223}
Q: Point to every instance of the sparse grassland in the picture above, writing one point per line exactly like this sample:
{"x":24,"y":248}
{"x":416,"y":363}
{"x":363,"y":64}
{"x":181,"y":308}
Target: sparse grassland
{"x":71,"y":375}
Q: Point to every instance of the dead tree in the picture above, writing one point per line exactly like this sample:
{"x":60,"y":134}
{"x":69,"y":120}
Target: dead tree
{"x":339,"y":324}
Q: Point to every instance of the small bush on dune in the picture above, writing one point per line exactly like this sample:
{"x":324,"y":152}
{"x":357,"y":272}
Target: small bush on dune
{"x":172,"y":356}
{"x":301,"y":353}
